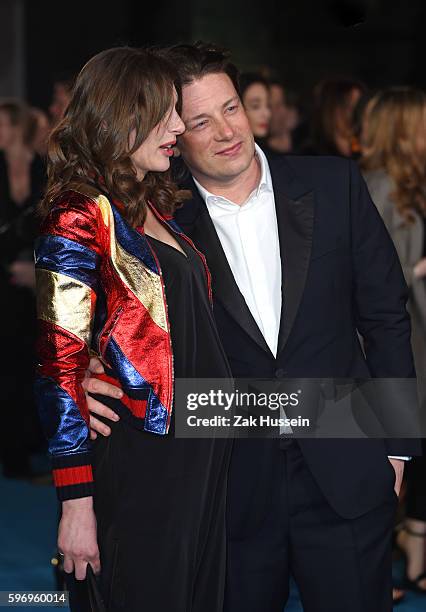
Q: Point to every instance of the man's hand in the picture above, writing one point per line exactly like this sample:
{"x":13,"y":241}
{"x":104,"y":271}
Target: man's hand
{"x":93,"y":385}
{"x":398,"y":466}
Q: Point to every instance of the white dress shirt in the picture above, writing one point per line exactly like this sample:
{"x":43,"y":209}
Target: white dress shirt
{"x":248,"y":234}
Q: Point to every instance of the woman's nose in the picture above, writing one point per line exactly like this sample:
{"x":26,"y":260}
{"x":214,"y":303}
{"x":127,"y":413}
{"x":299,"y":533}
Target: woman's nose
{"x":178,"y":125}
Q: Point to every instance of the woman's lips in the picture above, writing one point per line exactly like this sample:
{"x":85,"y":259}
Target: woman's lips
{"x":167,"y":148}
{"x":231,"y":151}
{"x":167,"y":152}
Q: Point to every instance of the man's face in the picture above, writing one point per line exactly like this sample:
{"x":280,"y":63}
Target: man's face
{"x":218,"y":144}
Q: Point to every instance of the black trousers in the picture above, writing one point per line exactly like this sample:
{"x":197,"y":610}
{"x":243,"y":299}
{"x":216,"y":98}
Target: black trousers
{"x":279,"y":523}
{"x":160,"y":506}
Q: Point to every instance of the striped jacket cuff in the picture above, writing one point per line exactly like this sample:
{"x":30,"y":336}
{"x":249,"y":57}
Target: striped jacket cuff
{"x":73,"y":476}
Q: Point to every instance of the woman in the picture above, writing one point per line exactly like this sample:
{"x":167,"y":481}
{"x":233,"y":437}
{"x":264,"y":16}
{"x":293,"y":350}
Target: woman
{"x":22,"y":172}
{"x":332,"y":129}
{"x":285,"y":124}
{"x":394,"y":162}
{"x":22,"y":182}
{"x":113,"y":276}
{"x":254,"y":91}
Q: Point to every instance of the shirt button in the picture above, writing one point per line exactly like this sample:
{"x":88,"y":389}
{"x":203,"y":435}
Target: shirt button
{"x":279,"y":373}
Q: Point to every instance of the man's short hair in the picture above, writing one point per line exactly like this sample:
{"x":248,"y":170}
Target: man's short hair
{"x":196,"y":61}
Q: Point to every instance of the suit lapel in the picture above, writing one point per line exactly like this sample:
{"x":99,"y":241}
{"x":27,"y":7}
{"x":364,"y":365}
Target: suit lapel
{"x":294,"y":203}
{"x":197,"y":223}
{"x":295,"y":216}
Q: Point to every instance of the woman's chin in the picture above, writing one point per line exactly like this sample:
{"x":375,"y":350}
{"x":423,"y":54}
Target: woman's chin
{"x":162,"y":165}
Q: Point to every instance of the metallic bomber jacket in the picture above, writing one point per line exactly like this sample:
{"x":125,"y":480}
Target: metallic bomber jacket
{"x":99,"y":288}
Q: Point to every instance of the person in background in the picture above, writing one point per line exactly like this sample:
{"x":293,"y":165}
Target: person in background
{"x":358,"y":117}
{"x":284,"y":119}
{"x":394,"y":164}
{"x":61,"y":97}
{"x":255,"y":96}
{"x":22,"y":180}
{"x":22,"y":172}
{"x":40,"y":131}
{"x":332,"y":130}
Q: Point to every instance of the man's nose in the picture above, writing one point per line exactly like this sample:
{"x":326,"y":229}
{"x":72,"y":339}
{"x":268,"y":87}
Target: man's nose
{"x":224,"y":131}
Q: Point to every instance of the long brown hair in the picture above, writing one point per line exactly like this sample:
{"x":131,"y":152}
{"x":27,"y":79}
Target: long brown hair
{"x":332,"y":112}
{"x":119,"y":91}
{"x":394,"y":124}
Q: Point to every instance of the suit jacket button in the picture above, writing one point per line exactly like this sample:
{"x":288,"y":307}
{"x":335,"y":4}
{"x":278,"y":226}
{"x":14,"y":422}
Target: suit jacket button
{"x":280,"y":373}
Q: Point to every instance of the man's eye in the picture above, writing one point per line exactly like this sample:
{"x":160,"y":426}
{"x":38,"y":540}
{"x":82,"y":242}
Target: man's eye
{"x":199,"y":125}
{"x":232,"y":108}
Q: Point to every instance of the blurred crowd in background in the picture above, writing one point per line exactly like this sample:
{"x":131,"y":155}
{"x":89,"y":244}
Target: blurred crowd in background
{"x":385,"y":131}
{"x":24,"y":133}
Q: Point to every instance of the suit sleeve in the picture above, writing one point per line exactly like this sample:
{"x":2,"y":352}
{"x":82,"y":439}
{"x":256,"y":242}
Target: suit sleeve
{"x":380,"y":295}
{"x":68,"y":254}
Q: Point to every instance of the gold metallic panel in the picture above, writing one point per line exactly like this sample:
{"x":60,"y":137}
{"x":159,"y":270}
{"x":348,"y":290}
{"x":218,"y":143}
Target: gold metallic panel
{"x":106,"y":211}
{"x":142,"y":282}
{"x":65,"y":302}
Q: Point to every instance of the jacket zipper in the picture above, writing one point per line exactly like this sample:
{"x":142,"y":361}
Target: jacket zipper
{"x":111,"y":324}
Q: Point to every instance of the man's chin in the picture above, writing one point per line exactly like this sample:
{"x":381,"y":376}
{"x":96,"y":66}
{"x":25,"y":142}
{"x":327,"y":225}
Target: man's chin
{"x":237,"y":165}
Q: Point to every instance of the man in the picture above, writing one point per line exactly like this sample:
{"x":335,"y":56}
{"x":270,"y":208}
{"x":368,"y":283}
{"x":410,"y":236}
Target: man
{"x":300,"y":262}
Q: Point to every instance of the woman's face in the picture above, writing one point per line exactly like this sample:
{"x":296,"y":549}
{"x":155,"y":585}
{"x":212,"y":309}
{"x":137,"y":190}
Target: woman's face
{"x":9,"y":133}
{"x":256,"y":104}
{"x":156,"y":150}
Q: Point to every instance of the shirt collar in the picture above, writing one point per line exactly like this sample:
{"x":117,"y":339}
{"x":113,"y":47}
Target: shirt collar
{"x":265,"y":183}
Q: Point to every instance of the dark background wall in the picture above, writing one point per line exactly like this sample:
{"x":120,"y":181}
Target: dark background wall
{"x":12,"y":48}
{"x":301,"y":40}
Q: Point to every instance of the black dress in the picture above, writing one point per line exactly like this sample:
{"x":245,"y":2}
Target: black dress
{"x":161,"y":532}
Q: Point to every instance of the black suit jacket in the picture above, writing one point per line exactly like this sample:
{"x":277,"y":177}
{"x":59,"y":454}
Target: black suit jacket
{"x":340,"y":275}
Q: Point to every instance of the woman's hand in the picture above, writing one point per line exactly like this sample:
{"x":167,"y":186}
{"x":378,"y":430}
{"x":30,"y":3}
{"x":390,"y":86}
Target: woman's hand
{"x":77,"y":539}
{"x":419,"y":270}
